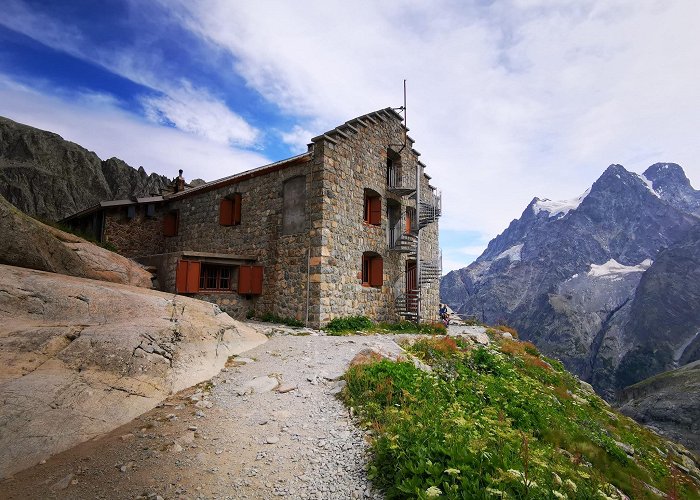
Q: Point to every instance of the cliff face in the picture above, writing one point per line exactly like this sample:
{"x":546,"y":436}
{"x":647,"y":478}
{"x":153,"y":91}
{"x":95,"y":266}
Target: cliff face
{"x":605,"y":282}
{"x":48,"y":177}
{"x":670,"y":402}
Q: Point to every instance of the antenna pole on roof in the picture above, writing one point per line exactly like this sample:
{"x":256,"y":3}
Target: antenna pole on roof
{"x":405,"y":116}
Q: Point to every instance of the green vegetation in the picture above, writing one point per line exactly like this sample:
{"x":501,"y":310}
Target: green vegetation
{"x":339,"y":326}
{"x":352,"y":324}
{"x":501,"y":422}
{"x":273,"y":318}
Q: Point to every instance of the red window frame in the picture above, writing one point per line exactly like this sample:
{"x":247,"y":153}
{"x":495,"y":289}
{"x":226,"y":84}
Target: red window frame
{"x":230,"y":210}
{"x":215,"y":278}
{"x":373,"y":209}
{"x":372,"y":270}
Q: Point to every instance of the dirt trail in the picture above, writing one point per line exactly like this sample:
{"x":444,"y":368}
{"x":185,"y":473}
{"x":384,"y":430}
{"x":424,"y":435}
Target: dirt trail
{"x":235,"y":437}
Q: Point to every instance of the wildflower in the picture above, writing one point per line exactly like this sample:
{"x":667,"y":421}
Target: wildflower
{"x":604,"y":496}
{"x":495,"y":492}
{"x":557,"y":479}
{"x":516,"y":473}
{"x":452,"y":472}
{"x":571,"y":485}
{"x":559,"y":495}
{"x":433,"y":492}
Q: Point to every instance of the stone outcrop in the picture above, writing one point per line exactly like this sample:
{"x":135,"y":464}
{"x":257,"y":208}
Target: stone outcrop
{"x":670,"y":403}
{"x":46,"y":176}
{"x":81,"y":357}
{"x":26,"y":242}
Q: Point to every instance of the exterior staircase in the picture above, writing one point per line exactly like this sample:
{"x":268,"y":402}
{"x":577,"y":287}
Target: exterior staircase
{"x":406,"y":305}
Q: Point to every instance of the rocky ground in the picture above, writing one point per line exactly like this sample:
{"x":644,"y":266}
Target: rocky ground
{"x":269,"y":425}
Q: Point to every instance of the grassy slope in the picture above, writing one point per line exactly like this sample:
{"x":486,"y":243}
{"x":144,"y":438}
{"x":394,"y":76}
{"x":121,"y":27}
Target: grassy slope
{"x":502,"y":422}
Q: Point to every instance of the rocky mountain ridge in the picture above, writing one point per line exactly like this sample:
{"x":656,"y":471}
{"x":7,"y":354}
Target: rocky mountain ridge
{"x":48,"y":177}
{"x":592,"y":280}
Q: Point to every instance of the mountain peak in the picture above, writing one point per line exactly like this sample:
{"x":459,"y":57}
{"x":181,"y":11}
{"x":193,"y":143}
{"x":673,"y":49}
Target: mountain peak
{"x":665,"y":174}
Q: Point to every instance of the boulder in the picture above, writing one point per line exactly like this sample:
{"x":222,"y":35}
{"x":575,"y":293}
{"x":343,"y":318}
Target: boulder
{"x":26,"y":242}
{"x":81,"y":357}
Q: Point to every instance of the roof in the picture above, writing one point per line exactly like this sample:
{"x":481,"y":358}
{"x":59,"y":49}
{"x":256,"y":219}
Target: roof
{"x":242,"y":176}
{"x":113,"y":203}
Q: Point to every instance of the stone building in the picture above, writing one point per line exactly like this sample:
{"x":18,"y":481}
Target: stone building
{"x":349,"y":227}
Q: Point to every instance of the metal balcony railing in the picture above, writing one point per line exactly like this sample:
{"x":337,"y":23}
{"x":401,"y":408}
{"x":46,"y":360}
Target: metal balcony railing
{"x":400,"y":182}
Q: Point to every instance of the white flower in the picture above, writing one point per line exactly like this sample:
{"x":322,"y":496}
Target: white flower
{"x":559,"y":495}
{"x":433,"y":492}
{"x":557,"y":479}
{"x":452,"y":472}
{"x":571,"y":485}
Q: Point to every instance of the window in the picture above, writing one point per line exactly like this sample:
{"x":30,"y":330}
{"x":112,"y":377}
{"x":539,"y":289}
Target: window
{"x":372,"y":270}
{"x":411,"y":219}
{"x":230,"y":210}
{"x":171,"y":223}
{"x":150,"y":210}
{"x":373,"y":208}
{"x":250,"y":280}
{"x":217,"y":278}
{"x":131,"y":212}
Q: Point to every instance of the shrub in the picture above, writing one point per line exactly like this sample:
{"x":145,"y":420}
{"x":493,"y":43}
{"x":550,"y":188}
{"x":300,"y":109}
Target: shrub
{"x":273,"y":318}
{"x":349,"y":323}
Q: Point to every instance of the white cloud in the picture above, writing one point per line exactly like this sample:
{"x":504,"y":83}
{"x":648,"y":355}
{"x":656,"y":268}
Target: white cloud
{"x":98,"y":125}
{"x":298,"y":138}
{"x":193,"y":110}
{"x":506,"y":102}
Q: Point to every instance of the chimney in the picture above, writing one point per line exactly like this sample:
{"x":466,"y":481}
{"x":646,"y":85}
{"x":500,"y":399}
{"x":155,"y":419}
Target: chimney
{"x":179,"y":183}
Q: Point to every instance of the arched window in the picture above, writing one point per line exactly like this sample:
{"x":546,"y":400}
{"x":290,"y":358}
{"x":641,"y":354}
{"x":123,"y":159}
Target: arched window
{"x":372,"y":269}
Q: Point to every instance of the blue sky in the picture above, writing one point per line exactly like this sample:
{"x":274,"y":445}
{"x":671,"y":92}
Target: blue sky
{"x":508,"y":99}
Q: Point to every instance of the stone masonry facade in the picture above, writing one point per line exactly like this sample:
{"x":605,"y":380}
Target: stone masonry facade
{"x":304,"y":221}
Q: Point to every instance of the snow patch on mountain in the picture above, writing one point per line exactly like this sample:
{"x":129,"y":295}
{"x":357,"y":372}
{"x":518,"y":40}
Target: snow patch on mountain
{"x":513,"y":253}
{"x":649,"y":185}
{"x":614,"y":270}
{"x":558,"y":208}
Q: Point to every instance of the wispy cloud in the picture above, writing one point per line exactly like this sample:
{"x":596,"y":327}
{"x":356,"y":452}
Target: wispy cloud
{"x":193,"y":110}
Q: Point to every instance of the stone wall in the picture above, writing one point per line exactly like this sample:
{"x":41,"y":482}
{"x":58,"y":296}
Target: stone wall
{"x":258,"y":236}
{"x":136,"y":236}
{"x":353,"y":161}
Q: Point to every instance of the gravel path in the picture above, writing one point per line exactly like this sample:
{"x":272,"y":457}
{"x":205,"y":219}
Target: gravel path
{"x":267,"y":426}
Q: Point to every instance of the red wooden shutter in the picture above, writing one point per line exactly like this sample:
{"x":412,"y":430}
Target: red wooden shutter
{"x":376,"y":271}
{"x":256,"y":280}
{"x":236,"y":209}
{"x":226,"y":212}
{"x":187,"y":276}
{"x":244,"y":279}
{"x":181,"y":276}
{"x":193,"y":276}
{"x":375,"y":210}
{"x":170,"y":224}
